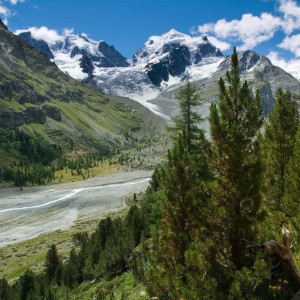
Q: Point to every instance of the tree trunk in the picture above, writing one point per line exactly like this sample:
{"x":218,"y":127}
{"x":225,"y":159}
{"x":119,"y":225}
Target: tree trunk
{"x":283,"y":256}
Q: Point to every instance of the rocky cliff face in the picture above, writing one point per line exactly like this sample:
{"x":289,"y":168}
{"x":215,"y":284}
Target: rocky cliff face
{"x":257,"y":69}
{"x":112,"y":55}
{"x":38,"y":44}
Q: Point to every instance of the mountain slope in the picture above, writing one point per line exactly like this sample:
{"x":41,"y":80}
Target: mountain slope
{"x":53,"y":114}
{"x":256,"y":69}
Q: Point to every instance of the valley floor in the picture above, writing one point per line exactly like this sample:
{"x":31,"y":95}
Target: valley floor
{"x":37,"y":210}
{"x":36,"y":217}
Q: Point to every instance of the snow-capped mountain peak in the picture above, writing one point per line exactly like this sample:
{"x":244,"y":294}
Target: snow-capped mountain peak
{"x":78,"y":55}
{"x":81,"y":41}
{"x":172,"y":54}
{"x":156,"y":48}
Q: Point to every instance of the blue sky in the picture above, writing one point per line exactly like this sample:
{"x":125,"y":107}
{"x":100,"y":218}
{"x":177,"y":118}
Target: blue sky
{"x":270,"y":27}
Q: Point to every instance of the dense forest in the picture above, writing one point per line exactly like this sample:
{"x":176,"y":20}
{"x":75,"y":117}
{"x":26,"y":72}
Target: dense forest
{"x":217,"y":220}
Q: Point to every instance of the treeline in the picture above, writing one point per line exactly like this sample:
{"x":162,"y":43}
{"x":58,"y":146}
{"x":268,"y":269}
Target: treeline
{"x":36,"y":150}
{"x":35,"y":165}
{"x":102,"y":255}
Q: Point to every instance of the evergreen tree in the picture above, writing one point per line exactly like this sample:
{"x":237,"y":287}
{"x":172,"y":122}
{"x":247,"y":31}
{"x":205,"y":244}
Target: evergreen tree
{"x":187,"y":122}
{"x":27,"y":286}
{"x":4,"y":289}
{"x":182,"y":216}
{"x":291,"y":202}
{"x":52,"y":262}
{"x":280,"y":132}
{"x":135,"y":223}
{"x":234,"y":158}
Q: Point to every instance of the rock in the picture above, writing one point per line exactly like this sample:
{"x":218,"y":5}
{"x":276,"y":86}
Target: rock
{"x":52,"y":112}
{"x":112,"y":55}
{"x":175,"y":64}
{"x":206,"y":50}
{"x":248,"y":60}
{"x":75,"y":51}
{"x":179,"y":59}
{"x":2,"y":25}
{"x":86,"y":65}
{"x":34,"y":115}
{"x":38,"y":44}
{"x":158,"y":73}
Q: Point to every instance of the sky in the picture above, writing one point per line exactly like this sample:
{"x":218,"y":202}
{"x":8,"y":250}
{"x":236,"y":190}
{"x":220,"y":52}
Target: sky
{"x":270,"y":27}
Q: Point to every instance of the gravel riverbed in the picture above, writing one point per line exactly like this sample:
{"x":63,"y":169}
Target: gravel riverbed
{"x":37,"y":210}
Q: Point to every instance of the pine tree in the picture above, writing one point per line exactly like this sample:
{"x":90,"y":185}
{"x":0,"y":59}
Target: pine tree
{"x":280,"y":131}
{"x":187,"y":122}
{"x":27,"y":285}
{"x":234,"y":160}
{"x":4,"y":289}
{"x":182,"y":216}
{"x":291,"y":202}
{"x":52,"y":262}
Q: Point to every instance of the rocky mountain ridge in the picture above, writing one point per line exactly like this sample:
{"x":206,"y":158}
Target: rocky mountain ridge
{"x":164,"y":63}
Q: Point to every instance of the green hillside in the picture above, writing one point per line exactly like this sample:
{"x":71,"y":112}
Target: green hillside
{"x":46,"y":115}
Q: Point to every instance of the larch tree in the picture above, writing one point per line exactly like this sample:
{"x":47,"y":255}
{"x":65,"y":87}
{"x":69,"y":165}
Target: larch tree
{"x":187,"y":122}
{"x":280,"y":131}
{"x":234,"y":158}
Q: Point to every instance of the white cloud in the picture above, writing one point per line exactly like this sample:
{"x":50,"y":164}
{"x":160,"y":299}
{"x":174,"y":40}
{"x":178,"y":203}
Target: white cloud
{"x":223,"y":46}
{"x":43,"y":33}
{"x":14,"y":2}
{"x":249,"y":30}
{"x":291,"y":66}
{"x":4,"y":11}
{"x":291,"y":15}
{"x":68,"y":31}
{"x":291,"y":43}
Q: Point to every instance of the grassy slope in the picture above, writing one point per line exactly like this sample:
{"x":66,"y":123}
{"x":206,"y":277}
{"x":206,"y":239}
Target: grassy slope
{"x":95,"y":123}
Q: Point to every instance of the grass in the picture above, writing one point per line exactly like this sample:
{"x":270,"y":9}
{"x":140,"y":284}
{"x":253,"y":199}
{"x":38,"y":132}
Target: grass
{"x":17,"y":258}
{"x":121,"y":287}
{"x":103,"y":168}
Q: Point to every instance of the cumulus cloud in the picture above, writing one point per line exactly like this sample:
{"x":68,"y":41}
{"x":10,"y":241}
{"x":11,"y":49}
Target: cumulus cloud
{"x":291,"y":66}
{"x":291,"y":43}
{"x":250,"y":30}
{"x":43,"y":33}
{"x":291,"y":15}
{"x":222,"y":45}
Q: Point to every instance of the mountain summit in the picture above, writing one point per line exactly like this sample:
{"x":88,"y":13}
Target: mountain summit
{"x":78,"y":55}
{"x":171,"y":53}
